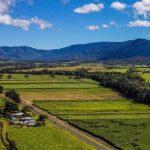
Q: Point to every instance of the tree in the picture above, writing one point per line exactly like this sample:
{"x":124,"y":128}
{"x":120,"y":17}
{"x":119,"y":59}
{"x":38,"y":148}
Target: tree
{"x":12,"y":145}
{"x":26,"y":76}
{"x":1,"y":76}
{"x":9,"y":76}
{"x":42,"y":117}
{"x":11,"y":107}
{"x":53,"y":74}
{"x":1,"y":89}
{"x":13,"y":95}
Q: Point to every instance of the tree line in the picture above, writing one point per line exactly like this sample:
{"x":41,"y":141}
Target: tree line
{"x":130,"y":84}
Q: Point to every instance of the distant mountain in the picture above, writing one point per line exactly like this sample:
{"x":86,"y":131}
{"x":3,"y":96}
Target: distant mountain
{"x":82,"y":52}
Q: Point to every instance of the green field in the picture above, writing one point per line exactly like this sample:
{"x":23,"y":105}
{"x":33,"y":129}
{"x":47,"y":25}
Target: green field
{"x":128,"y":134}
{"x":121,"y":122}
{"x":43,"y":87}
{"x":45,"y":138}
{"x":146,"y":76}
{"x":2,"y":102}
{"x":19,"y":82}
{"x":98,"y":110}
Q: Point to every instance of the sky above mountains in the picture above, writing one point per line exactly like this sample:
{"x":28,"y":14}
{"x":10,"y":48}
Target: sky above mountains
{"x":50,"y":24}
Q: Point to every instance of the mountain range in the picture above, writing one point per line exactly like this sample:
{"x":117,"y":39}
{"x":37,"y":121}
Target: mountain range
{"x":81,"y":52}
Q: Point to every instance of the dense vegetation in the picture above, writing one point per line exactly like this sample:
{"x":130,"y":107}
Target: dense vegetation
{"x":130,"y":84}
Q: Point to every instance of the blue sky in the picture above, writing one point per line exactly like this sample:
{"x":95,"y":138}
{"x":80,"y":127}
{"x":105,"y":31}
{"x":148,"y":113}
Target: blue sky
{"x":49,"y":24}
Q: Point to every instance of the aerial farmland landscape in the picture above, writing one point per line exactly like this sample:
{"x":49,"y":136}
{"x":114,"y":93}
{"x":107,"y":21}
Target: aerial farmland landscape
{"x":74,"y":75}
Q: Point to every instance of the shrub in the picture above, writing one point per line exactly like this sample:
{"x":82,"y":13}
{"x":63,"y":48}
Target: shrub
{"x":40,"y":123}
{"x":26,"y":109}
{"x":42,"y":118}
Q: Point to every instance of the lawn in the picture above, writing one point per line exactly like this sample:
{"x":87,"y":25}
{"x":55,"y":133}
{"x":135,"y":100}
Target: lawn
{"x":45,"y":138}
{"x":121,"y":122}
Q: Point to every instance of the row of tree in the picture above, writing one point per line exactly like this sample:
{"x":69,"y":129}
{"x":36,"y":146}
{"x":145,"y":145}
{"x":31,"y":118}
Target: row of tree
{"x":129,"y":84}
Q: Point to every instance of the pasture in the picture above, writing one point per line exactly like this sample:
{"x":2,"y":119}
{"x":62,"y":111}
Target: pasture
{"x":44,"y":138}
{"x":121,"y":122}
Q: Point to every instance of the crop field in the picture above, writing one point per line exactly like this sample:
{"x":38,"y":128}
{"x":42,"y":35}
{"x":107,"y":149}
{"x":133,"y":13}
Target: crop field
{"x":43,"y":87}
{"x":70,"y":94}
{"x":45,"y":138}
{"x":20,"y":78}
{"x":92,"y":67}
{"x":19,"y":82}
{"x":121,"y":122}
{"x":84,"y":103}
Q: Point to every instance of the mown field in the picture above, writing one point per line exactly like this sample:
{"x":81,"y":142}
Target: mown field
{"x":45,"y":138}
{"x":121,"y":122}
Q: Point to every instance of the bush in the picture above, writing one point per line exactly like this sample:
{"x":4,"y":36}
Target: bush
{"x":42,"y":118}
{"x":40,"y":123}
{"x":26,"y":109}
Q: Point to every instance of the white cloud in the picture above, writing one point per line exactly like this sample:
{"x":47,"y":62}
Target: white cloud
{"x":96,"y":27}
{"x":24,"y":23}
{"x":142,"y":7}
{"x":41,"y":23}
{"x":93,"y":27}
{"x":5,"y":5}
{"x":139,"y":23}
{"x":118,"y":5}
{"x":105,"y":26}
{"x":88,"y":8}
{"x":110,"y":24}
{"x":8,"y":20}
